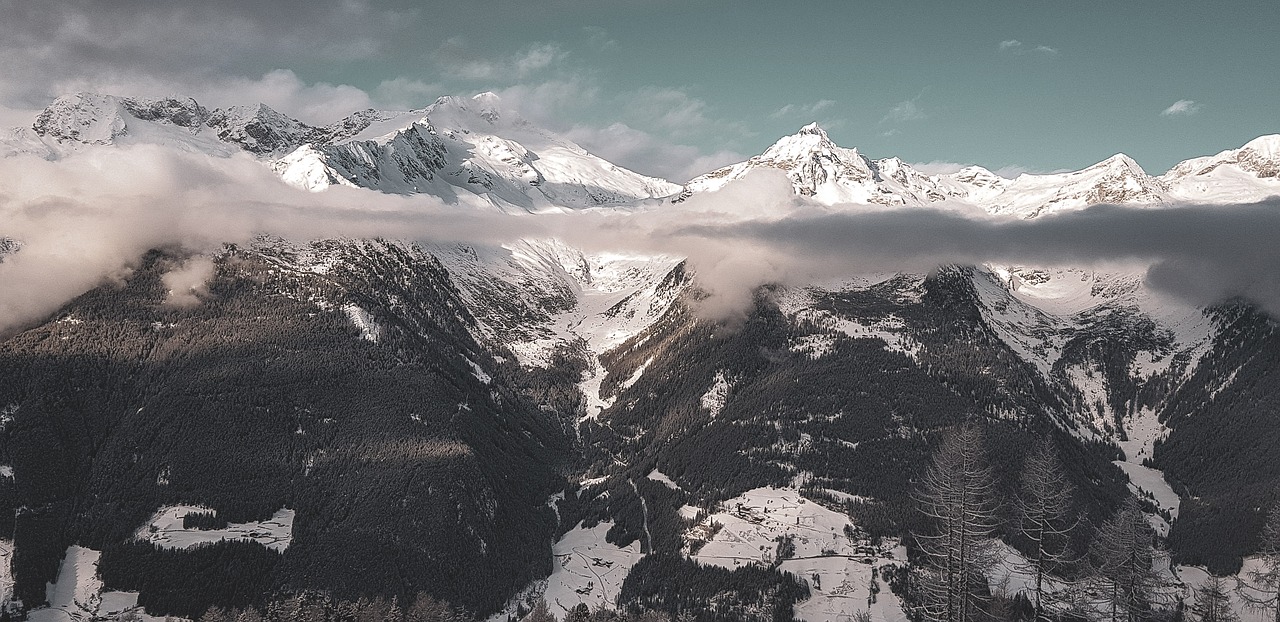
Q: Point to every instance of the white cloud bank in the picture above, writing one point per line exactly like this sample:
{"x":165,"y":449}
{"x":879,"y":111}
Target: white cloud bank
{"x":90,"y":217}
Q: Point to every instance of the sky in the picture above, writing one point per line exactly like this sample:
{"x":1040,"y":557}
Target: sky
{"x":676,"y":88}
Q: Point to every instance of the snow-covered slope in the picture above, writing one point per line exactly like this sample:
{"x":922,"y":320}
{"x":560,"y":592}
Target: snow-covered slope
{"x":831,"y":175}
{"x":79,"y":121}
{"x":1116,"y":180}
{"x":567,"y":299}
{"x":456,"y":149}
{"x":476,"y":151}
{"x":1250,"y":173}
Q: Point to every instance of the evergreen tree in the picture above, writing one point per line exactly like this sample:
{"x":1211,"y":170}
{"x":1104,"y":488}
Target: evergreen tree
{"x":957,"y":496}
{"x":540,"y":613}
{"x":1213,"y":602}
{"x":580,"y":613}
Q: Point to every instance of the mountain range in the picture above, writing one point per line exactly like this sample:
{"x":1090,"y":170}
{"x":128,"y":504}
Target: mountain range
{"x":491,"y":425}
{"x":481,"y":150}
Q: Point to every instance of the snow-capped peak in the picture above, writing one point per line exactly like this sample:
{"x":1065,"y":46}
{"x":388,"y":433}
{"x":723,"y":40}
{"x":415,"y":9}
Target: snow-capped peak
{"x":1117,"y":179}
{"x":488,"y":105}
{"x":977,"y":175}
{"x":1118,"y":163}
{"x":482,"y":113}
{"x":813,"y":128}
{"x":829,"y":173}
{"x":261,"y":129}
{"x":810,"y":140}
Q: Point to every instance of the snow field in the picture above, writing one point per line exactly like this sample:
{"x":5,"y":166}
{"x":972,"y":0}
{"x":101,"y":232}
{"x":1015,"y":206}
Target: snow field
{"x":165,"y":530}
{"x":659,"y":476}
{"x":839,"y":570}
{"x":587,"y":569}
{"x":77,"y":595}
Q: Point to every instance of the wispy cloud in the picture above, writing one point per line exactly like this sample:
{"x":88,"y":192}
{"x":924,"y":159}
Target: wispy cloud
{"x":648,"y":154}
{"x":676,"y":112}
{"x":456,"y":61}
{"x":599,"y":38}
{"x":1181,"y":108}
{"x":907,"y":110}
{"x":793,"y":110}
{"x":170,"y":48}
{"x":1016,"y":47}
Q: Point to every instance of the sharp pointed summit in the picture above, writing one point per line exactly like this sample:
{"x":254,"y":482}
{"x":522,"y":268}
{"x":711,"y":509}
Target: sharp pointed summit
{"x":813,"y":128}
{"x":829,"y":173}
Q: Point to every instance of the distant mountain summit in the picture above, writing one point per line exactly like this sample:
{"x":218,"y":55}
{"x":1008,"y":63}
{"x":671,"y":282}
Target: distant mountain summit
{"x":829,"y":173}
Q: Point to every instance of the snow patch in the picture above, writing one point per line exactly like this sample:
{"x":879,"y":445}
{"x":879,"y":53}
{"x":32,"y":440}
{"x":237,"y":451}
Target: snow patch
{"x":77,"y":592}
{"x":659,"y":476}
{"x":1192,"y":577}
{"x":363,"y":320}
{"x":478,"y":371}
{"x":165,"y":530}
{"x":713,"y":400}
{"x":635,"y":376}
{"x":590,"y":387}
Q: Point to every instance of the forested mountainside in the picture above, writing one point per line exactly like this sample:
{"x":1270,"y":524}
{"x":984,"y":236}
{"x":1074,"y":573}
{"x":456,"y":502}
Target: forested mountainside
{"x":408,"y":470}
{"x":401,"y":413}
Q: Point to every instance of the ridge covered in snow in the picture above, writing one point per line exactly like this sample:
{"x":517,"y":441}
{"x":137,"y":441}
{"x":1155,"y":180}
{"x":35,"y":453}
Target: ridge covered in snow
{"x":461,"y":150}
{"x":476,"y":151}
{"x":829,"y":173}
{"x":833,"y":175}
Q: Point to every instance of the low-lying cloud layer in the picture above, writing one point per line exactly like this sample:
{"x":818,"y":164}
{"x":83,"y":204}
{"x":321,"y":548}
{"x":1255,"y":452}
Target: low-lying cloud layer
{"x":89,"y":217}
{"x":1202,"y":254}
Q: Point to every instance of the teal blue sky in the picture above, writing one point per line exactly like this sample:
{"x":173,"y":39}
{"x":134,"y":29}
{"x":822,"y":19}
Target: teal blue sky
{"x":674,"y":88}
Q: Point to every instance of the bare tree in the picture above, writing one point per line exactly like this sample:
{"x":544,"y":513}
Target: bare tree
{"x":1260,"y":587}
{"x":957,"y":495}
{"x":1045,"y":517}
{"x":1123,"y":556}
{"x":1213,"y":602}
